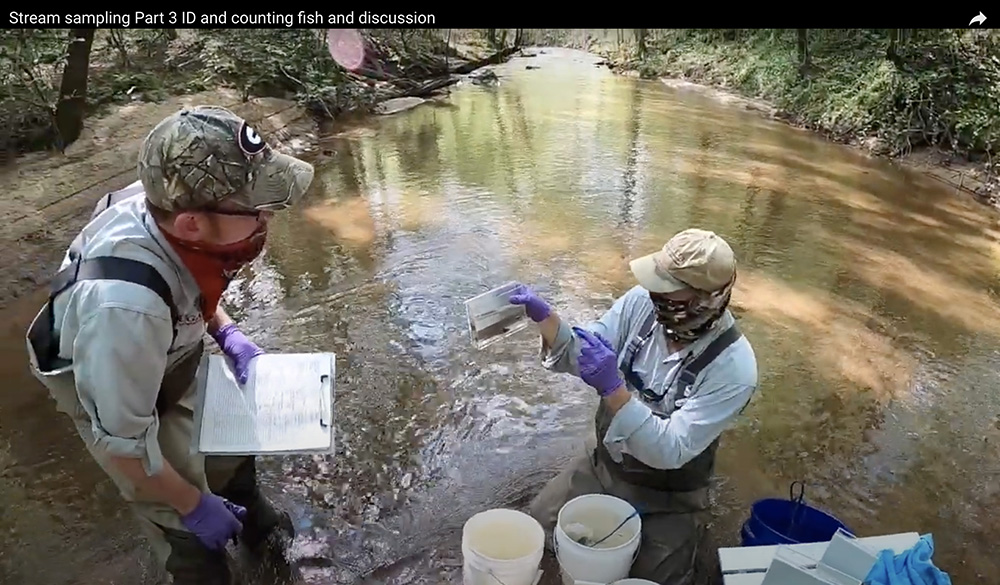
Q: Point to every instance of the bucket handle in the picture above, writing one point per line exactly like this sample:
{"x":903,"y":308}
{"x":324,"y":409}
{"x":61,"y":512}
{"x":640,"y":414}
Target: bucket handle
{"x":538,"y":577}
{"x":797,"y":499}
{"x":802,"y":491}
{"x":617,"y":528}
{"x":635,"y":555}
{"x":555,"y":547}
{"x":635,"y":512}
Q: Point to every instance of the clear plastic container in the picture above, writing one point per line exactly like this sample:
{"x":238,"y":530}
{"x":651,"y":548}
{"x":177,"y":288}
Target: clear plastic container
{"x":492,"y":317}
{"x":846,"y":560}
{"x":789,"y":567}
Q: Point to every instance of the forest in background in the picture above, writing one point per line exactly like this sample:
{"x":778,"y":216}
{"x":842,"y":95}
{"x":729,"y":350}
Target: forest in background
{"x":51,"y":80}
{"x":892,"y":90}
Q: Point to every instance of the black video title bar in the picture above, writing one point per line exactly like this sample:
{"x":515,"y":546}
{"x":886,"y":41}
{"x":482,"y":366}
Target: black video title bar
{"x":734,"y":16}
{"x":220,"y":19}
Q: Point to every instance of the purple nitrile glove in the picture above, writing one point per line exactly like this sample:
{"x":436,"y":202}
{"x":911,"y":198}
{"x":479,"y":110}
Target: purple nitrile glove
{"x":598,"y":362}
{"x":215,"y":521}
{"x":537,"y":309}
{"x":237,"y":348}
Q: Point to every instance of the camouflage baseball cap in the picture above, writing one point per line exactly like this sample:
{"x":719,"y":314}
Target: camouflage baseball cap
{"x":198,"y":157}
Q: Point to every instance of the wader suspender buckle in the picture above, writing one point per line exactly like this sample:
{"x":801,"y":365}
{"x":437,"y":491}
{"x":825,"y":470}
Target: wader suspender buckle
{"x":690,"y":372}
{"x":106,"y":268}
{"x":633,"y":347}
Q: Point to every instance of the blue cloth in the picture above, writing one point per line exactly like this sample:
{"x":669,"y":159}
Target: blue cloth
{"x":913,"y":567}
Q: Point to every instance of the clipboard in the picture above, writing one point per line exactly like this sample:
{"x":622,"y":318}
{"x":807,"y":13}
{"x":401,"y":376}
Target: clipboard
{"x":286,"y":406}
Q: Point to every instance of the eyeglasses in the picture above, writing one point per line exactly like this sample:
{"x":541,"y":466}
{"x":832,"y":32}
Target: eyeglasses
{"x":255,"y":213}
{"x":663,"y":299}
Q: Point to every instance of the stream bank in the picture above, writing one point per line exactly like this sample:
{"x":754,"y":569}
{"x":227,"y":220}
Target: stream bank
{"x":929,"y":100}
{"x":50,"y":195}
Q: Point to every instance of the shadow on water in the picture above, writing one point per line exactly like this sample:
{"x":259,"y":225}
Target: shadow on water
{"x":867,"y":291}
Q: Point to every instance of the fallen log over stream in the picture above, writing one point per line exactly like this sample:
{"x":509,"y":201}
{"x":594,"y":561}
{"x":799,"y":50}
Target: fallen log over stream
{"x":393,"y":87}
{"x":498,"y":57}
{"x":419,"y":89}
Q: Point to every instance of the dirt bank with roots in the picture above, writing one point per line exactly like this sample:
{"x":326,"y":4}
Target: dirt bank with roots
{"x":48,"y":198}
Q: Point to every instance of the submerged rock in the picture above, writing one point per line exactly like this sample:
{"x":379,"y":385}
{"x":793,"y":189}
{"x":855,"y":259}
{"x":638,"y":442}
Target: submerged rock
{"x":397,"y":105}
{"x":484,"y":77}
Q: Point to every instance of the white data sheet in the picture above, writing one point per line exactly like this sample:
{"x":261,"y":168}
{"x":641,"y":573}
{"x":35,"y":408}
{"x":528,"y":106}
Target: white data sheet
{"x":286,"y":405}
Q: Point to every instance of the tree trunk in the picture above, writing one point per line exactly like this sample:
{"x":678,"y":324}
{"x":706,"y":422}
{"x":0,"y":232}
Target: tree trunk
{"x":640,"y":41}
{"x":447,"y":51}
{"x":518,"y":37}
{"x":890,"y":51}
{"x":171,"y":34}
{"x":803,"y":47}
{"x":73,"y":89}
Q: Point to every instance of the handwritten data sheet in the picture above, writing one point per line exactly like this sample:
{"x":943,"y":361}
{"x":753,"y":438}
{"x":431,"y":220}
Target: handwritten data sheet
{"x":286,"y":405}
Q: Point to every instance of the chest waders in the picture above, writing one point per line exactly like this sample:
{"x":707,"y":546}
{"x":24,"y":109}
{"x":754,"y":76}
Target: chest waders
{"x":695,"y":474}
{"x":45,"y":342}
{"x":189,"y":562}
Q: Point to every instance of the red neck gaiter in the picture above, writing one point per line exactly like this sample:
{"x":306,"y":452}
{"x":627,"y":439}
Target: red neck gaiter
{"x":214,"y":266}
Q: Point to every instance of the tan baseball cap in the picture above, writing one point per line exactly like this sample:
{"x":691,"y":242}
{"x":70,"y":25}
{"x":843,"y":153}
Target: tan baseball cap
{"x":693,"y":258}
{"x":198,"y":157}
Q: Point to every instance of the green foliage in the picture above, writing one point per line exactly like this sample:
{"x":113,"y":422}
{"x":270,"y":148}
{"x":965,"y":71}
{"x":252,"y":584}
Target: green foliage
{"x":941,"y":89}
{"x":291,"y":64}
{"x":410,"y":53}
{"x":152,"y":64}
{"x":30,"y":64}
{"x":125,"y":65}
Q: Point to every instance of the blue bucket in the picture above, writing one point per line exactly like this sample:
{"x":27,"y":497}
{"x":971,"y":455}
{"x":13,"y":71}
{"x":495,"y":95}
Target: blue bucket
{"x":792,"y":521}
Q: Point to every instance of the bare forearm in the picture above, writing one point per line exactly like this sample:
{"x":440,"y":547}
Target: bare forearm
{"x":559,"y":346}
{"x":617,"y":399}
{"x":220,"y":320}
{"x":167,"y":486}
{"x":549,"y":328}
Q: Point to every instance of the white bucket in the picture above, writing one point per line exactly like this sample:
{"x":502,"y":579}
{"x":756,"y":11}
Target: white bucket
{"x":613,"y":559}
{"x":502,"y":547}
{"x":622,"y":582}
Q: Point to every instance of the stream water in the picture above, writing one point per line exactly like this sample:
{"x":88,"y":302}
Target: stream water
{"x":868,"y":292}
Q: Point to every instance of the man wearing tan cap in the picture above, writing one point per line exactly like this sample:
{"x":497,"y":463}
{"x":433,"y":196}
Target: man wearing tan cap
{"x":673,"y":372}
{"x":119,"y":342}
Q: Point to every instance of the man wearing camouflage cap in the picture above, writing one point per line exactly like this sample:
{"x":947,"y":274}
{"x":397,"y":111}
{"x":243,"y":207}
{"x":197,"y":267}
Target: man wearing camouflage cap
{"x":673,"y":372}
{"x":119,"y":342}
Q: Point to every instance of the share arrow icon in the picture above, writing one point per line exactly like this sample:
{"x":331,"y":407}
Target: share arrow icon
{"x":978,"y":19}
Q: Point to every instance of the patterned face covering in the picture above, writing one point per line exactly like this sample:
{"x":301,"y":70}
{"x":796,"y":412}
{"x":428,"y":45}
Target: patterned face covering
{"x":214,"y":266}
{"x":688,"y":320}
